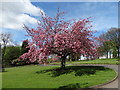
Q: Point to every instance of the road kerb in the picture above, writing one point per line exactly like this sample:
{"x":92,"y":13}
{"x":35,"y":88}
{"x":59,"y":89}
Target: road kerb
{"x":98,"y":86}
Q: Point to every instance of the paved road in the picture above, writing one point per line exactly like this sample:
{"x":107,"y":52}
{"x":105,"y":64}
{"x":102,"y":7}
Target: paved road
{"x":113,"y":84}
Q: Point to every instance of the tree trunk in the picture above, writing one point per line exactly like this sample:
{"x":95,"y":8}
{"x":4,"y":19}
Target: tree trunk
{"x":107,"y":54}
{"x":63,"y":58}
{"x":3,"y":53}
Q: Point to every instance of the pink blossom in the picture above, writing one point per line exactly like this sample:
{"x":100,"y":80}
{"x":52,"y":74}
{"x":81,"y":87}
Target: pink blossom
{"x":61,"y":38}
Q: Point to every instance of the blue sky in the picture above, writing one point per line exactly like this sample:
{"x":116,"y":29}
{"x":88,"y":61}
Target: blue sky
{"x":104,"y":15}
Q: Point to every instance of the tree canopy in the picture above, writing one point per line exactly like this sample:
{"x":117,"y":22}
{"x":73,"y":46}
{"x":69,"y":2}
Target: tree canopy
{"x":60,"y":37}
{"x":111,"y":41}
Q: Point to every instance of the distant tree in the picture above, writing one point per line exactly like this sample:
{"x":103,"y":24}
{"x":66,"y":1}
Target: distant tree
{"x":60,"y":37}
{"x":5,"y":38}
{"x":112,"y":37}
{"x":11,"y":53}
{"x":74,"y":56}
{"x":24,"y":48}
{"x":0,"y":58}
{"x":107,"y":47}
{"x":115,"y":53}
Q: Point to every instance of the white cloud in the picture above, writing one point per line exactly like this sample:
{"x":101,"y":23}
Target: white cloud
{"x":15,"y":14}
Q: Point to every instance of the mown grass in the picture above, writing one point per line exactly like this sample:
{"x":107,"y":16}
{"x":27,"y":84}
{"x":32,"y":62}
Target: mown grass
{"x":97,"y":61}
{"x":54,"y":77}
{"x":0,"y":81}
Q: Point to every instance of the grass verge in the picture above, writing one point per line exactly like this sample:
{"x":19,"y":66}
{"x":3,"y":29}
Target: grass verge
{"x":54,"y":77}
{"x":97,"y":61}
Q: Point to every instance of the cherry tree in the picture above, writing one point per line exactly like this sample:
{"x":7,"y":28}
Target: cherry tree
{"x":60,"y":37}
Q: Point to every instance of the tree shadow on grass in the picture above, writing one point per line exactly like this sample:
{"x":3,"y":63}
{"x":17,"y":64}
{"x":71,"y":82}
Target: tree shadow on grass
{"x":71,"y":86}
{"x":79,"y":70}
{"x":3,"y":71}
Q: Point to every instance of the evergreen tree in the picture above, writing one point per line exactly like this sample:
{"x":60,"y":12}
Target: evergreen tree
{"x":24,"y":48}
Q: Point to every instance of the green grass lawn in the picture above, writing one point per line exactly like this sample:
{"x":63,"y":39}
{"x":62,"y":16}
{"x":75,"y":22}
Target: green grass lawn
{"x":0,"y":81}
{"x":54,"y":77}
{"x":97,"y":61}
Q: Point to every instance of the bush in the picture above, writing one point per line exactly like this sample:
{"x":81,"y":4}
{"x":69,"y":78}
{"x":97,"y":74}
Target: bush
{"x":17,"y":62}
{"x":11,"y":53}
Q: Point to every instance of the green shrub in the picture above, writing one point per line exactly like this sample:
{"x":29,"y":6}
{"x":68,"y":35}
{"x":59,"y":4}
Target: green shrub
{"x":11,"y":53}
{"x":17,"y":62}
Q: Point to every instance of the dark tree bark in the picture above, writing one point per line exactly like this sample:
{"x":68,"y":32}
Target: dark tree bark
{"x":63,"y":58}
{"x":107,"y":54}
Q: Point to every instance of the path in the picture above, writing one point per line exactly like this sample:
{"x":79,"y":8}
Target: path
{"x":113,"y":84}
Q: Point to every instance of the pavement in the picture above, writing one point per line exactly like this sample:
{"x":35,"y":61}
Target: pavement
{"x":113,"y":84}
